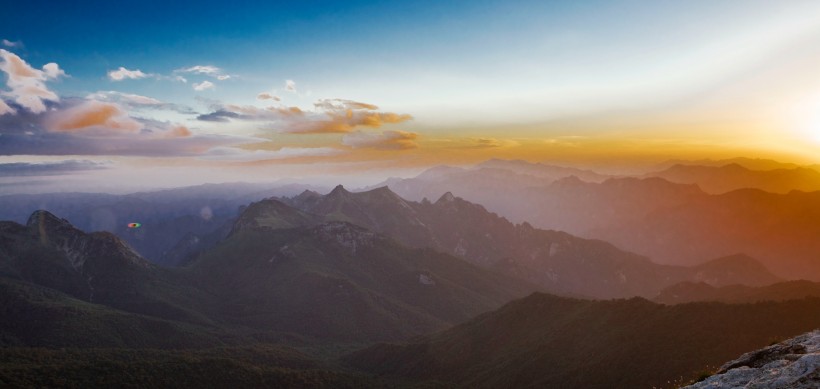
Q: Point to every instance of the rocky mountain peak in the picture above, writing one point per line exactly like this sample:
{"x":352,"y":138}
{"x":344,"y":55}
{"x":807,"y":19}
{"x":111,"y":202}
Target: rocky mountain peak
{"x":446,"y":198}
{"x":794,"y":363}
{"x":339,"y":190}
{"x":44,"y":219}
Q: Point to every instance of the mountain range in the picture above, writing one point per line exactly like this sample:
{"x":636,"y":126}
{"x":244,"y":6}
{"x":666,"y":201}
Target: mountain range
{"x":668,"y":222}
{"x":555,"y":261}
{"x":297,"y":291}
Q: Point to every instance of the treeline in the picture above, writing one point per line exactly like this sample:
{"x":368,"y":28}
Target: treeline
{"x":253,"y":367}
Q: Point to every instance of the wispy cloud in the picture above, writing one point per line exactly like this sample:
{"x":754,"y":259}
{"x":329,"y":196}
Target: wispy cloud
{"x":329,"y":116}
{"x":387,"y":140}
{"x":267,"y":96}
{"x":290,"y":86}
{"x":28,"y":88}
{"x":11,"y":44}
{"x":201,"y":69}
{"x":242,"y":155}
{"x":205,"y":70}
{"x":204,"y":85}
{"x":123,"y":74}
{"x":137,"y":102}
{"x":16,"y":169}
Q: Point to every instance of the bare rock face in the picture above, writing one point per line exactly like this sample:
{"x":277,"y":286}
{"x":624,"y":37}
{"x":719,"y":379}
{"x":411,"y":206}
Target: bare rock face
{"x":793,"y":364}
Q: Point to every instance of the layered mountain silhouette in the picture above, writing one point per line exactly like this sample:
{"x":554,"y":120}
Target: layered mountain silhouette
{"x":171,"y":219}
{"x":556,"y":261}
{"x":326,"y":271}
{"x":726,"y":178}
{"x":330,"y":280}
{"x":548,"y":341}
{"x":668,"y":222}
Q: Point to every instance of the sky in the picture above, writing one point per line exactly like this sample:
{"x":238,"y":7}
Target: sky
{"x":99,"y":96}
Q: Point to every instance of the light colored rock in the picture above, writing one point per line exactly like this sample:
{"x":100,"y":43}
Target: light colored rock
{"x":793,"y":364}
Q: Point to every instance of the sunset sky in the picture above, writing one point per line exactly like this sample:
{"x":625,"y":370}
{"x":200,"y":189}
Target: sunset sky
{"x":155,"y":94}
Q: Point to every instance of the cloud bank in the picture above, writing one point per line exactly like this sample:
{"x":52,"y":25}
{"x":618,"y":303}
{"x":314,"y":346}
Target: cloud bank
{"x":329,"y":116}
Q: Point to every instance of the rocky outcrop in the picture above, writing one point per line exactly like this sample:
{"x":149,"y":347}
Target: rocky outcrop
{"x":793,"y":364}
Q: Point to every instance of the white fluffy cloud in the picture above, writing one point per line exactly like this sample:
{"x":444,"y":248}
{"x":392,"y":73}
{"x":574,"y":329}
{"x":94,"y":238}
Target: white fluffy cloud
{"x":204,"y":85}
{"x":290,"y":85}
{"x":123,"y":73}
{"x":27,"y":84}
{"x":9,"y":43}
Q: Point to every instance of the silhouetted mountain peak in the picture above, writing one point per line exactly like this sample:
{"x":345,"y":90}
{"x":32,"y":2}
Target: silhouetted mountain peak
{"x":720,"y":271}
{"x":307,"y":194}
{"x":339,"y":190}
{"x":45,"y":219}
{"x":271,"y":213}
{"x":735,"y":167}
{"x":446,"y":198}
{"x":569,"y":181}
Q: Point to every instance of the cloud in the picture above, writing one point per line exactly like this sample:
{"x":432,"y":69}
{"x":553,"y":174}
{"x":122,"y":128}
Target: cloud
{"x":204,"y":85}
{"x":178,"y":131}
{"x":15,"y":169}
{"x":489,"y":143}
{"x":387,"y":140}
{"x":342,"y":105}
{"x":123,"y":73}
{"x":138,"y":102}
{"x":126,"y":98}
{"x":290,"y":86}
{"x":5,"y":108}
{"x":242,"y":155}
{"x":206,"y":70}
{"x":220,"y":116}
{"x":267,"y":96}
{"x":93,"y":117}
{"x":330,"y":116}
{"x":11,"y":44}
{"x":27,"y":84}
{"x":201,"y":69}
{"x":64,"y":144}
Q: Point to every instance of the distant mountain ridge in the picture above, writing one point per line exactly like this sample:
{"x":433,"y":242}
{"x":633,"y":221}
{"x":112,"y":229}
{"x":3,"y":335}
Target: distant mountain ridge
{"x":686,"y":292}
{"x":671,"y":223}
{"x":168,"y":217}
{"x":557,"y":261}
{"x":726,"y":178}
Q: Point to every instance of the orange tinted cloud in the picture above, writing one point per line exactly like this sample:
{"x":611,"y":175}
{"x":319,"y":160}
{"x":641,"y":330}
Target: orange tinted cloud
{"x":94,"y":117}
{"x":387,"y":140}
{"x":330,"y":116}
{"x":178,"y":131}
